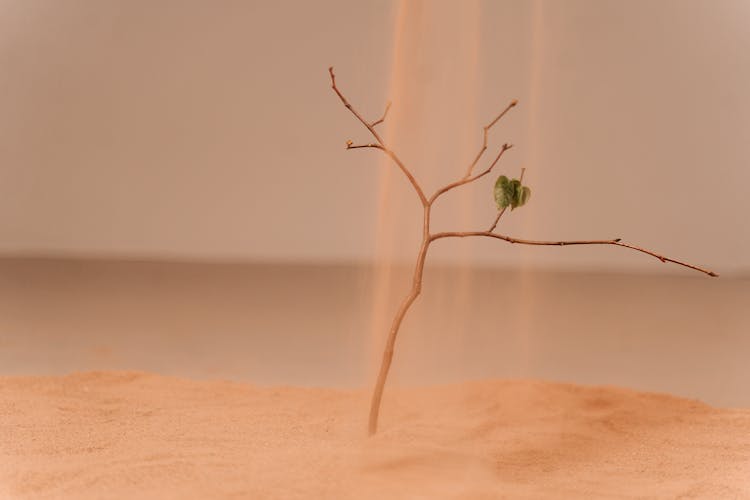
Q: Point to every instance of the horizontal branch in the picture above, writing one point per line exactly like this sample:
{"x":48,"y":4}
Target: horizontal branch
{"x":382,"y":146}
{"x":466,"y":180}
{"x":351,"y":145}
{"x":615,"y":242}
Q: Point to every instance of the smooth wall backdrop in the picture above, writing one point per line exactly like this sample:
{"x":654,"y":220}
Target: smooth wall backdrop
{"x":198,"y":129}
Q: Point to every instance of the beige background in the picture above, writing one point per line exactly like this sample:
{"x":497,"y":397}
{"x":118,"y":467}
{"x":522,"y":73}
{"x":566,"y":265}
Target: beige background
{"x":207,"y":129}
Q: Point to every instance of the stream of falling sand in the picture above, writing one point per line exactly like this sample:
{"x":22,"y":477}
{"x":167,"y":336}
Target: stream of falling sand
{"x":433,"y":126}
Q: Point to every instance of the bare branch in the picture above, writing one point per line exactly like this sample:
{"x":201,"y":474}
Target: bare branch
{"x":382,"y":118}
{"x":351,"y":145}
{"x":485,"y":130}
{"x":615,"y":242}
{"x":667,"y":259}
{"x":466,"y":180}
{"x":377,"y":137}
{"x":351,"y":108}
{"x":497,"y":219}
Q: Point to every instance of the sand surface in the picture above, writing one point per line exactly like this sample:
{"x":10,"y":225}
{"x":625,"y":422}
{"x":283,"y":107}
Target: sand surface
{"x":135,"y":435}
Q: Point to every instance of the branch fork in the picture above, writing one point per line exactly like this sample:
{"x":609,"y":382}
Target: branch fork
{"x":428,"y":238}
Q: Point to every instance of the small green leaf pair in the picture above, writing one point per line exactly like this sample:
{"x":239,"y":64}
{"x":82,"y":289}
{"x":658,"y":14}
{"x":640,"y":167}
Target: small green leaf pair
{"x":510,"y":193}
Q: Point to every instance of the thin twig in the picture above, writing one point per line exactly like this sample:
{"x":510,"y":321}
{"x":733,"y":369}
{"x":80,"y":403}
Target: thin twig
{"x":351,"y":108}
{"x":382,"y":118}
{"x":485,"y":130}
{"x":466,"y":180}
{"x":615,"y":242}
{"x":377,"y":137}
{"x":351,"y":145}
{"x":497,"y":219}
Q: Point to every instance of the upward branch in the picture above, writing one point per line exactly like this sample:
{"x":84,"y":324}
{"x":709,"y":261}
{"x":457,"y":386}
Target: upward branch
{"x":380,"y":144}
{"x":382,"y":118}
{"x":469,"y":179}
{"x":485,"y":131}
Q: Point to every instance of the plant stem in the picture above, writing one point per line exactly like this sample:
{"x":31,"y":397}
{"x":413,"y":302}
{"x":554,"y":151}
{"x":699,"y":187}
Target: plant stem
{"x":497,"y":219}
{"x":416,"y":289}
{"x":428,"y":238}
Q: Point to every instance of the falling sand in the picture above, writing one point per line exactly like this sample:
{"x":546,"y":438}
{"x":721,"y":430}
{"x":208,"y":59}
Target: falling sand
{"x":136,"y":435}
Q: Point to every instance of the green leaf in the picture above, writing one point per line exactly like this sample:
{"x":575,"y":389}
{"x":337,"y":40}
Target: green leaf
{"x":514,"y":193}
{"x":523,"y":196}
{"x":503,"y":194}
{"x":510,"y":193}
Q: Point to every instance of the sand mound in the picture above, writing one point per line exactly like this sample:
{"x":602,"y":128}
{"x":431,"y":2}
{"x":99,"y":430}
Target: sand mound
{"x":134,"y":435}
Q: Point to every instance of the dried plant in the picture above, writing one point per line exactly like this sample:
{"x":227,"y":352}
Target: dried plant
{"x":508,"y":193}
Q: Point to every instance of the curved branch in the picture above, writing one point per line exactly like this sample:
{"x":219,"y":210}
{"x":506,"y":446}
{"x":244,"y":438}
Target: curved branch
{"x":615,"y":242}
{"x":377,"y":137}
{"x":466,"y":180}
